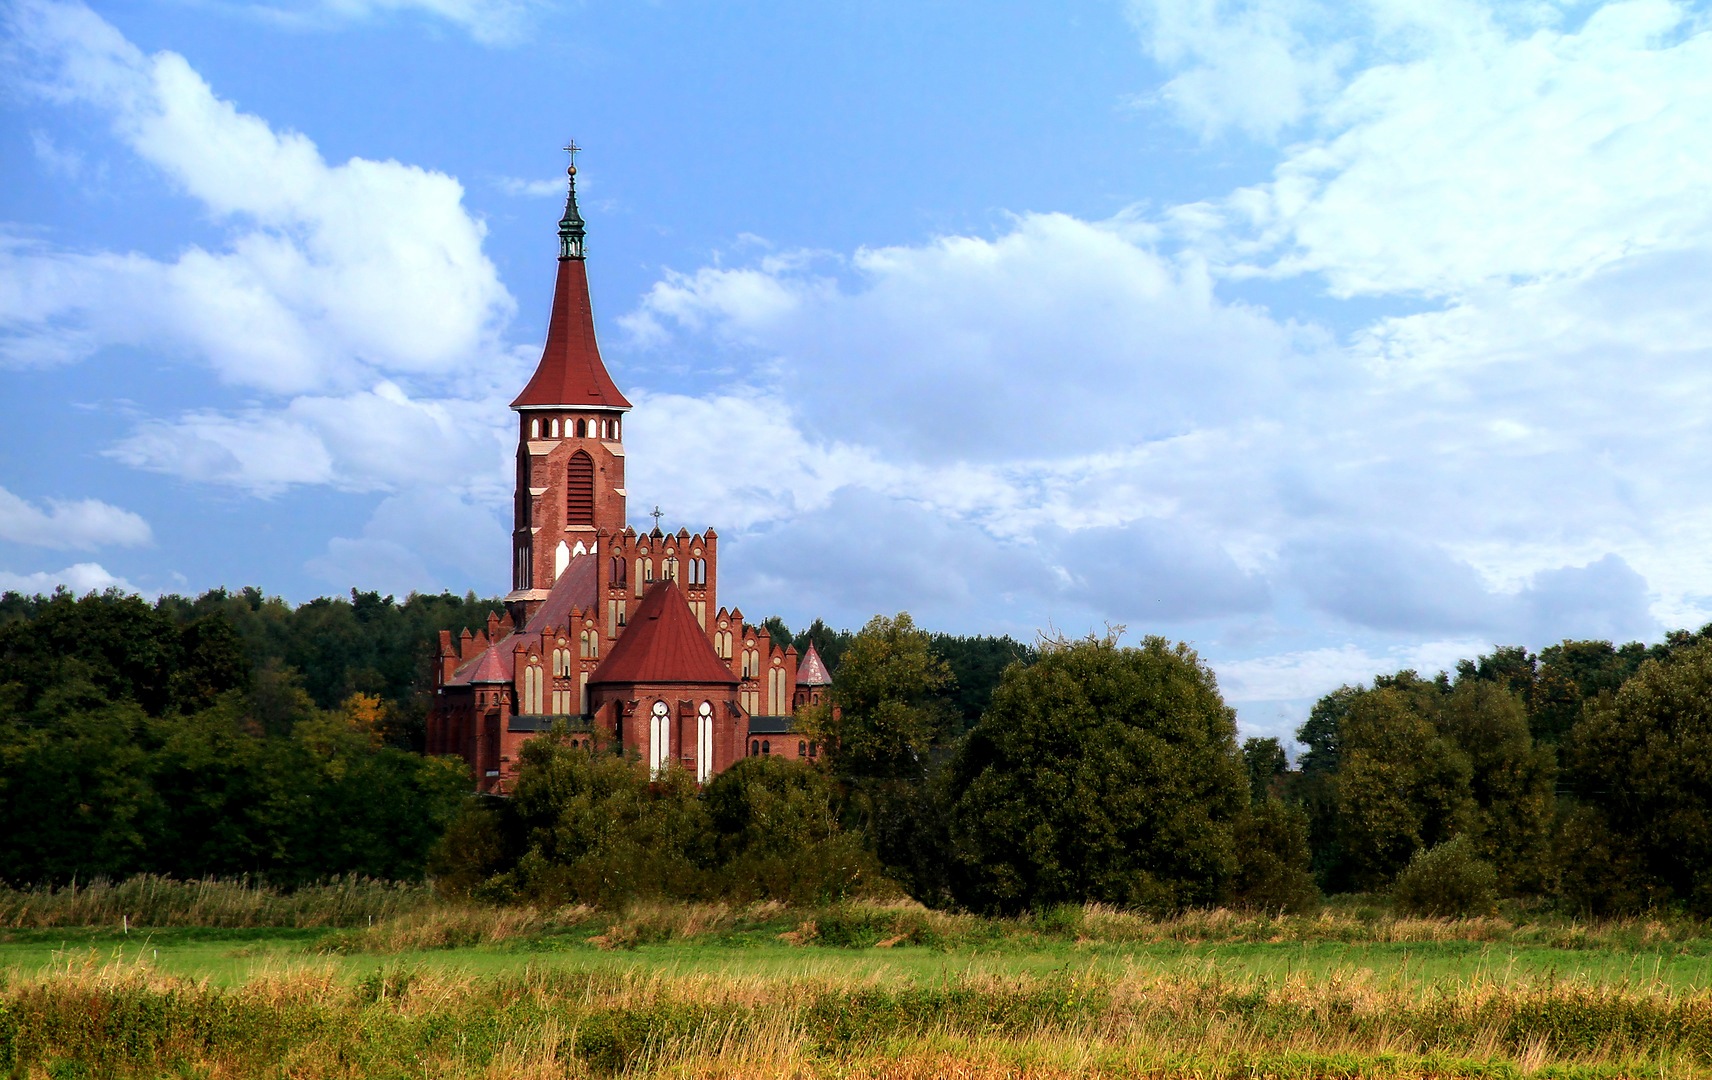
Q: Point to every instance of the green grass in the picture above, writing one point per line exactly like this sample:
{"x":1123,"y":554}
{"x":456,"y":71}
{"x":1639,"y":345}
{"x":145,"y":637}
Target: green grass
{"x":230,"y":957}
{"x":865,"y":990}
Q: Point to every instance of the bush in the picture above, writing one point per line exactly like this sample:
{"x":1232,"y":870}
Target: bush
{"x":593,"y":827}
{"x":1272,"y":860}
{"x":1447,"y":879}
{"x":778,"y":835}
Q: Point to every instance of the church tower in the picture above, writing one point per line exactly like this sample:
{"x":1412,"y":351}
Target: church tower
{"x":570,"y":428}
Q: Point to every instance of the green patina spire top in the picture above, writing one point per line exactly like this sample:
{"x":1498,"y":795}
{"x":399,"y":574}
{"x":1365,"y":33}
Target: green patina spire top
{"x":571,"y":225}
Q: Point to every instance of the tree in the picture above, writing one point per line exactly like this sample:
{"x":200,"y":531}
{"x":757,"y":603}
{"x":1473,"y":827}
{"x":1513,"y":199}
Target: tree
{"x":1099,"y":773}
{"x":1642,"y":759}
{"x":1512,"y":781}
{"x":594,"y":827}
{"x":890,"y":711}
{"x":1272,"y":871}
{"x":1266,"y":763}
{"x":976,"y":665}
{"x":779,"y":836}
{"x":1400,"y":786}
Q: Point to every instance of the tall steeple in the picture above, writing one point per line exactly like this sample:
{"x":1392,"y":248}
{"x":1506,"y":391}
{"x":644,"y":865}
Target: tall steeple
{"x":571,"y":374}
{"x":570,"y":448}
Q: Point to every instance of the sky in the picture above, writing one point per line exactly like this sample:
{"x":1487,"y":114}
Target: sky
{"x":1331,"y":338}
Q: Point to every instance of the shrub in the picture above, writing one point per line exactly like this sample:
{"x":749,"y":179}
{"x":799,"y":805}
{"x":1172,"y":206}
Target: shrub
{"x":1447,"y":879}
{"x":779,"y":836}
{"x":1272,"y":860}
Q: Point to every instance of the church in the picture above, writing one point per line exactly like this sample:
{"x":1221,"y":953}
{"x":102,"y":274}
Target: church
{"x":617,"y":634}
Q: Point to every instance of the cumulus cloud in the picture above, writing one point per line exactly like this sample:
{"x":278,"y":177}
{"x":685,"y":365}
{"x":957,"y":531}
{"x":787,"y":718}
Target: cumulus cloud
{"x":1254,"y":65}
{"x":82,"y":524}
{"x":331,"y":274}
{"x":1475,"y":147}
{"x":1059,"y":336}
{"x":79,"y":578}
{"x":373,"y":440}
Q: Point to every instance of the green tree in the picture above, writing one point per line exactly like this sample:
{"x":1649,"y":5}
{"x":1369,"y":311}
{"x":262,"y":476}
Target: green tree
{"x":976,"y":664}
{"x":1266,"y":763}
{"x":1400,"y":786}
{"x":1642,"y":759}
{"x":1099,"y":773}
{"x":888,"y":690}
{"x":1512,"y":781}
{"x":593,"y":827}
{"x":1273,"y":866}
{"x":779,"y":837}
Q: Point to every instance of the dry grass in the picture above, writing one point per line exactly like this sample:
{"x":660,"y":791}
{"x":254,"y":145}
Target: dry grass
{"x":303,"y":1021}
{"x":153,"y":901}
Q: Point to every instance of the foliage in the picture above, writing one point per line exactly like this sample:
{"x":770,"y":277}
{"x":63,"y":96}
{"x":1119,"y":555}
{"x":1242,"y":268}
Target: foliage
{"x":976,"y":663}
{"x":1448,"y":879}
{"x":1642,"y":760}
{"x":1511,"y":780}
{"x":594,"y":827}
{"x":1400,"y":786}
{"x":1272,"y":860}
{"x":1267,"y":764}
{"x":779,"y":838}
{"x":1098,"y":773}
{"x":887,"y":689}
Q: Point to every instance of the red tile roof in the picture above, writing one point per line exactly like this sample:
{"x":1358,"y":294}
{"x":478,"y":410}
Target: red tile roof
{"x":811,"y":670}
{"x":571,"y":373}
{"x":574,"y":588}
{"x":663,"y":643}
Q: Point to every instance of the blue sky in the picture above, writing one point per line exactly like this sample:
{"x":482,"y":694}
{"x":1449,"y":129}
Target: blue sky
{"x":1332,"y":338}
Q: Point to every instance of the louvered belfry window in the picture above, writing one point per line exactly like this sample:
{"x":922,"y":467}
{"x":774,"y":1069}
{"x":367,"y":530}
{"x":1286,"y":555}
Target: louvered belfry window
{"x":579,"y":490}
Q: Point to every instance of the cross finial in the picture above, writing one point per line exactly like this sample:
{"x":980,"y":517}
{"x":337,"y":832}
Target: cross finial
{"x":657,"y":515}
{"x":571,"y":225}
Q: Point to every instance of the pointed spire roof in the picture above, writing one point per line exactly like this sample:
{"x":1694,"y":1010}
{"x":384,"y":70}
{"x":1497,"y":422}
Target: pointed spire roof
{"x":571,"y":374}
{"x":663,"y":643}
{"x":811,"y":669}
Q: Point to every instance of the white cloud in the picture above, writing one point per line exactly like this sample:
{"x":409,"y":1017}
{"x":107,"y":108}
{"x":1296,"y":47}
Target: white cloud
{"x":1307,"y":674}
{"x":1480,"y":147}
{"x":80,"y":578}
{"x":1249,"y":65}
{"x":331,"y":275}
{"x":533,"y":189}
{"x":419,"y":541}
{"x":372,"y":440}
{"x":83,"y":524}
{"x":491,"y":22}
{"x":1058,"y":337}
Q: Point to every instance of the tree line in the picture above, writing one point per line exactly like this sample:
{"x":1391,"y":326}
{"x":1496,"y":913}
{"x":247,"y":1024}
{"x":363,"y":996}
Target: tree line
{"x":235,"y":734}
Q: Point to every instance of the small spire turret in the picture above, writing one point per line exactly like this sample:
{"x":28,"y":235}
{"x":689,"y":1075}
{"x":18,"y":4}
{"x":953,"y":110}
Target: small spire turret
{"x":571,"y":225}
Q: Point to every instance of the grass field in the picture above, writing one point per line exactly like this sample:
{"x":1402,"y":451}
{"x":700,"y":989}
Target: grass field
{"x":864,"y":990}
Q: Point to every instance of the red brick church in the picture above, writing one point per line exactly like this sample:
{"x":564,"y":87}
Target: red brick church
{"x":617,"y":633}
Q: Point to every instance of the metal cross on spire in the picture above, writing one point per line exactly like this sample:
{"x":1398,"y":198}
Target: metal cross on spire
{"x":571,"y":225}
{"x":657,"y":515}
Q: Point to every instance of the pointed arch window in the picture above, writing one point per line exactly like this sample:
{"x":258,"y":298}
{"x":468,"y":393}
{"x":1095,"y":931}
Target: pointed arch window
{"x":704,"y":742}
{"x":579,"y":490}
{"x":659,"y":738}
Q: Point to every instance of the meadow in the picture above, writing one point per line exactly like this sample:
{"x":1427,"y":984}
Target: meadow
{"x":383,"y":981}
